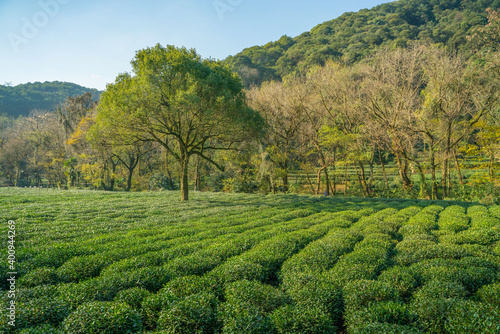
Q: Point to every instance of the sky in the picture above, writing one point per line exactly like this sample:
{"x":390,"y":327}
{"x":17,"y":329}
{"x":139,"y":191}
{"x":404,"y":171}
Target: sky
{"x":90,"y":42}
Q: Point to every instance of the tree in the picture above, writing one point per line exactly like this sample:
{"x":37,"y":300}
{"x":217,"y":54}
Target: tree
{"x":187,"y":104}
{"x":282,"y":107}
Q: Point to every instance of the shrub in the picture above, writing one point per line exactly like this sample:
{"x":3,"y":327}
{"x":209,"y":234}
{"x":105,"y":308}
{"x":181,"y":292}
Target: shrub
{"x":39,"y":276}
{"x":344,"y":272}
{"x":434,"y":302}
{"x":250,"y":293}
{"x":453,"y":219}
{"x":482,"y":236}
{"x":154,"y":304}
{"x":471,"y":317}
{"x":304,"y":320}
{"x":472,"y":273}
{"x":490,"y":294}
{"x":360,"y":293}
{"x":440,"y":251}
{"x":236,"y":269}
{"x":189,"y":285}
{"x":319,"y":293}
{"x":42,"y":329}
{"x":103,"y":317}
{"x":195,"y":314}
{"x":42,"y":310}
{"x":83,"y":267}
{"x":385,"y":328}
{"x":75,"y":294}
{"x":496,"y":249}
{"x":406,"y":249}
{"x":481,"y":218}
{"x":132,"y":297}
{"x":249,"y":320}
{"x":400,"y":278}
{"x":376,"y":240}
{"x":363,"y":263}
{"x":389,"y":312}
{"x":318,"y":256}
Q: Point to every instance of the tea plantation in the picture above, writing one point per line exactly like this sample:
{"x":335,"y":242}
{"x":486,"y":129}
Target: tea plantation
{"x":101,"y":262}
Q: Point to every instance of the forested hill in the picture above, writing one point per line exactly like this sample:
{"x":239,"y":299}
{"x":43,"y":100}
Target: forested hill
{"x":353,"y":36}
{"x":22,"y":99}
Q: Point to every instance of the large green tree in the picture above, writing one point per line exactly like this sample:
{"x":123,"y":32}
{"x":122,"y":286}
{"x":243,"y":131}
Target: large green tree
{"x":187,"y":104}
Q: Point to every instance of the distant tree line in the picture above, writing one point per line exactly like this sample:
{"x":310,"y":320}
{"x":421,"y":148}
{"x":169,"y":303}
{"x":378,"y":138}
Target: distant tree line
{"x":420,"y":121}
{"x":354,"y":36}
{"x":20,"y":100}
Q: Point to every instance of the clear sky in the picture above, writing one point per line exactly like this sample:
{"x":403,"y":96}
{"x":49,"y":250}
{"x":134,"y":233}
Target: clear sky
{"x":89,"y":42}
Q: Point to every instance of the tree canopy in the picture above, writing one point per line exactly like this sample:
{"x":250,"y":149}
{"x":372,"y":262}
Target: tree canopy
{"x":189,"y":105}
{"x":353,"y":36}
{"x":22,"y":99}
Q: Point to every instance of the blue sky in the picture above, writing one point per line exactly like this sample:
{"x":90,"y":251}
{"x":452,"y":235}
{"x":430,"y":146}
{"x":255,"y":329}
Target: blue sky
{"x":90,"y":42}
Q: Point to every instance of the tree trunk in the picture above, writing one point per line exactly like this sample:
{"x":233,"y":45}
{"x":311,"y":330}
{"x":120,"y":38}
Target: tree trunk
{"x":370,"y":179}
{"x":491,"y":166}
{"x":318,"y":181}
{"x":423,"y":181}
{"x":367,"y":189}
{"x":112,"y":179}
{"x":403,"y":172}
{"x":285,"y":175}
{"x":444,"y":178}
{"x":197,"y":178}
{"x":457,"y":165}
{"x":334,"y":178}
{"x":184,"y":178}
{"x":309,"y":180}
{"x":129,"y":178}
{"x":383,"y":170}
{"x":327,"y":180}
{"x":345,"y":179}
{"x":360,"y":180}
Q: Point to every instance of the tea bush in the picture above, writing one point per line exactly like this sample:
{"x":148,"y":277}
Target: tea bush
{"x":103,"y":317}
{"x":106,"y":262}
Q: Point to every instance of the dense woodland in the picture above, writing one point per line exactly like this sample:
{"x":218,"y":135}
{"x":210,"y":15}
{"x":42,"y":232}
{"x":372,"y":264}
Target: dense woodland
{"x":337,"y":111}
{"x":354,"y":36}
{"x":22,"y":99}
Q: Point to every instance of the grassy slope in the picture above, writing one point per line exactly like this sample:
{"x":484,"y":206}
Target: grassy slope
{"x":80,"y":246}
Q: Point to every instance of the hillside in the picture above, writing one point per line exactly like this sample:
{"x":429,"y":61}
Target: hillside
{"x":353,"y":36}
{"x":102,"y":262}
{"x":22,"y":99}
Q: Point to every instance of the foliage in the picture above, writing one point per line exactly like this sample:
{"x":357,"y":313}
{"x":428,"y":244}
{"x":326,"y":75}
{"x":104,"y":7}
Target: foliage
{"x":103,"y":317}
{"x":353,"y":36}
{"x":232,"y":263}
{"x":22,"y":99}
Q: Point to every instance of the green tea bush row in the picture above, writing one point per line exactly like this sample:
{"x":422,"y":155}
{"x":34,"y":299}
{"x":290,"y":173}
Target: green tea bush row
{"x":103,"y":317}
{"x":480,"y":236}
{"x":490,"y":294}
{"x":365,"y":262}
{"x":271,"y":254}
{"x":414,"y":251}
{"x":421,"y":223}
{"x":453,"y":219}
{"x":470,"y":317}
{"x":481,"y":218}
{"x":467,"y":272}
{"x":434,"y":302}
{"x":248,"y":305}
{"x":317,"y":257}
{"x":403,"y":279}
{"x":208,"y":258}
{"x":383,"y":316}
